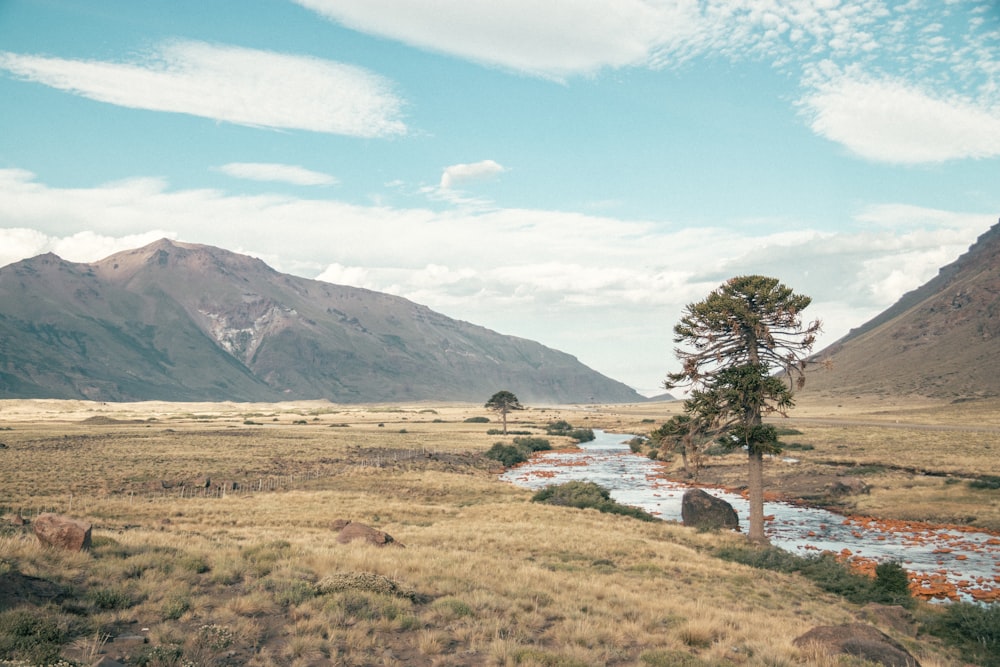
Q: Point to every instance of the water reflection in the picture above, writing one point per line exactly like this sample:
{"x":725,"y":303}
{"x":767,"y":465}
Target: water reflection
{"x":951,"y":561}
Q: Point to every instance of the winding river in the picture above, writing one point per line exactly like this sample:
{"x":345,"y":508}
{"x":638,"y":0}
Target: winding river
{"x":945,"y":562}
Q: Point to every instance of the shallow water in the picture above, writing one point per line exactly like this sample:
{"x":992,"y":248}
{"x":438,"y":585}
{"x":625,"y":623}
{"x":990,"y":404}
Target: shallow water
{"x":944,"y":561}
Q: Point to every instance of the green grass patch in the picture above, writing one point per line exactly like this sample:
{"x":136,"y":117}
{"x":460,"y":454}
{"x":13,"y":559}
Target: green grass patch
{"x":587,"y":495}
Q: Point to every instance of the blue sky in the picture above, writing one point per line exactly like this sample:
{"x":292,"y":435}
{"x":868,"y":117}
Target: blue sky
{"x":573,"y":172}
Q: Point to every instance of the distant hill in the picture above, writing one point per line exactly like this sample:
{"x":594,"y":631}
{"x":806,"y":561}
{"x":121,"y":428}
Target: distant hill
{"x":184,"y":322}
{"x":941,"y":340}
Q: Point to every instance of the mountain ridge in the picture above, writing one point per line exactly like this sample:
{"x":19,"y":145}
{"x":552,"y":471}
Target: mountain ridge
{"x":940,"y":340}
{"x":183,"y":321}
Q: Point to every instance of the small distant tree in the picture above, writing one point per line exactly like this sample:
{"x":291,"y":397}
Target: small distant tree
{"x":504,"y":402}
{"x":737,"y":338}
{"x":685,"y":435}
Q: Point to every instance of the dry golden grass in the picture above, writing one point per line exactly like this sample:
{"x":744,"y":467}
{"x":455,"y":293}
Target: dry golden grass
{"x":497,"y":580}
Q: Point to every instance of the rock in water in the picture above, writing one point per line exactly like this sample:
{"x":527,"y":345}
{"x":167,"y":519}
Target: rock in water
{"x":706,"y":512}
{"x":62,"y":532}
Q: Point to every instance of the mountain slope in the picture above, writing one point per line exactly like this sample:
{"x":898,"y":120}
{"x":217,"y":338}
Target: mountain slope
{"x":176,"y":321}
{"x":940,"y":340}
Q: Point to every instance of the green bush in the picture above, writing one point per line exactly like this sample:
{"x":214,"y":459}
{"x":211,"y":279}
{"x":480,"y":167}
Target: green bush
{"x":564,"y":428}
{"x":477,"y":420}
{"x":31,"y":635}
{"x":890,"y":585}
{"x":508,"y":455}
{"x":990,"y":482}
{"x":584,"y":495}
{"x":531,"y":444}
{"x":519,"y":452}
{"x":973,"y":629}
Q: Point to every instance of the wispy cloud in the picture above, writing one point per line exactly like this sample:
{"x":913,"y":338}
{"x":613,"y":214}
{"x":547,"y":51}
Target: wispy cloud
{"x":889,"y":120}
{"x":549,"y":39}
{"x":882,"y":111}
{"x":283,"y":173}
{"x":232,"y":84}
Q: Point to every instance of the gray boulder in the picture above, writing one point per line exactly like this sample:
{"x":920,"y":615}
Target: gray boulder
{"x":704,"y":511}
{"x":859,"y":640}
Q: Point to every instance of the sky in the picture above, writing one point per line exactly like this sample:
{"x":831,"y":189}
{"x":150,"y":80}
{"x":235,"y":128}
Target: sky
{"x":570,"y":171}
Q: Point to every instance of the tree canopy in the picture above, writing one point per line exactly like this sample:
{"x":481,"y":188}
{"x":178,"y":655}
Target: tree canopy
{"x":503,"y":402}
{"x":735,"y":340}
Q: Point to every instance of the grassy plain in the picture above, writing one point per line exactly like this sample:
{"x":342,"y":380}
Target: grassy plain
{"x":185,"y":571}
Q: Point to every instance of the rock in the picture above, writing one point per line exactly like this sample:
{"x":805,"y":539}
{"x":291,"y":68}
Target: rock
{"x":860,"y":640}
{"x":62,"y":532}
{"x":706,"y":512}
{"x":350,"y":531}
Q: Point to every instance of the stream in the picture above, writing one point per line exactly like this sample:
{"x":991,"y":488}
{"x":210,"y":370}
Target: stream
{"x":945,"y":562}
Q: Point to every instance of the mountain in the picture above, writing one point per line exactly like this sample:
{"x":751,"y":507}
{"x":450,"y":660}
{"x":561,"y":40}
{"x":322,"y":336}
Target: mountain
{"x":941,"y":340}
{"x":185,"y":322}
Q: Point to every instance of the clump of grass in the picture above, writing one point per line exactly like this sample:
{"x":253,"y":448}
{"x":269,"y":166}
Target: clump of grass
{"x":584,"y":495}
{"x":261,"y":558}
{"x":870,"y":469}
{"x":175,"y":606}
{"x":364,"y":581}
{"x":112,"y":598}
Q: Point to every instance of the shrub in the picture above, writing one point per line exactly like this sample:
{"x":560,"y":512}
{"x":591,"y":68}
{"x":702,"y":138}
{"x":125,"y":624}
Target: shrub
{"x":890,"y":585}
{"x":990,"y":482}
{"x":519,"y":452}
{"x":585,"y":495}
{"x":477,"y":420}
{"x":508,"y":455}
{"x":31,"y":635}
{"x":972,"y":628}
{"x":532,"y":444}
{"x":564,"y":428}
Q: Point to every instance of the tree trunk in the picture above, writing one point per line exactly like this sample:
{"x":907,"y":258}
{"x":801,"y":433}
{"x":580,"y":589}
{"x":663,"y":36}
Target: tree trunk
{"x":503,"y":413}
{"x":755,"y":480}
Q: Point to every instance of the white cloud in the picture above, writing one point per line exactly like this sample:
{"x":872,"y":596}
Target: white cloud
{"x":554,"y":39}
{"x":85,"y":246}
{"x":284,"y":173}
{"x":566,"y":279}
{"x":232,"y":84}
{"x":459,"y":173}
{"x":339,"y":274}
{"x":889,"y":120}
